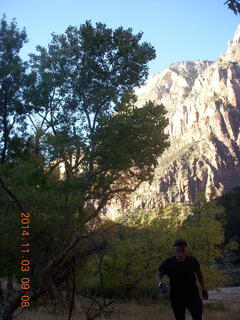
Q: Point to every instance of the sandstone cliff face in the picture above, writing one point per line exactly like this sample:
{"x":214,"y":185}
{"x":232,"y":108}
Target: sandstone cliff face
{"x":203,"y":103}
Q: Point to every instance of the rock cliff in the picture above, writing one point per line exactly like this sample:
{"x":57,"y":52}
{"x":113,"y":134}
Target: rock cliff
{"x":203,"y":103}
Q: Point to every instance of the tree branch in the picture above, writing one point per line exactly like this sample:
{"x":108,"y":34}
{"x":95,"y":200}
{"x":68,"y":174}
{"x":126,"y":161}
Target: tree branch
{"x":12,"y":195}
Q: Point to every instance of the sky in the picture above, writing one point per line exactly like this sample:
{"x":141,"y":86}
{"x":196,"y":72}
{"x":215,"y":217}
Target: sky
{"x":177,"y":29}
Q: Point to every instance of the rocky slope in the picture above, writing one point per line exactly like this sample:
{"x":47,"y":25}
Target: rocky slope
{"x":203,"y":103}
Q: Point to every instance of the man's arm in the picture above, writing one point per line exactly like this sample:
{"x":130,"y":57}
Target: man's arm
{"x":202,"y":283}
{"x":163,"y":288}
{"x":159,"y":276}
{"x":201,"y":279}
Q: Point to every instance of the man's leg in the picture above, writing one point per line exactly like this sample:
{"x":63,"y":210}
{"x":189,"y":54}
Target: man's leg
{"x":194,"y":305}
{"x":178,"y":307}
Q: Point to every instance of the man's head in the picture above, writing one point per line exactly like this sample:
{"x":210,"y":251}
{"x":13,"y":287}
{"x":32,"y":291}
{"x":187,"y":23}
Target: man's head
{"x":180,"y":247}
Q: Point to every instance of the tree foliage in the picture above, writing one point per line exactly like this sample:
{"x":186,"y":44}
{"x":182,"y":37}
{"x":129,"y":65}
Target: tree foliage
{"x":72,"y":108}
{"x":83,"y":91}
{"x":233,"y":5}
{"x":13,"y":81}
{"x":145,"y":238}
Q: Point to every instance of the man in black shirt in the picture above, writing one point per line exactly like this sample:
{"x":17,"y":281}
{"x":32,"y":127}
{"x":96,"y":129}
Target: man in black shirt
{"x":184,"y":292}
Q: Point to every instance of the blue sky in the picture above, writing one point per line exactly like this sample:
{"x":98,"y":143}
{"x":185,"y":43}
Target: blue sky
{"x":178,"y":29}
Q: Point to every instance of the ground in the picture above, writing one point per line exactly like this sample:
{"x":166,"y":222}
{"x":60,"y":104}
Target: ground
{"x":225,"y":294}
{"x":223,"y":304}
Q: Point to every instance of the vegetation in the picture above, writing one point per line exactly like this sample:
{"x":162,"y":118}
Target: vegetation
{"x":231,"y":203}
{"x":71,"y":105}
{"x":145,"y":238}
{"x":233,"y":5}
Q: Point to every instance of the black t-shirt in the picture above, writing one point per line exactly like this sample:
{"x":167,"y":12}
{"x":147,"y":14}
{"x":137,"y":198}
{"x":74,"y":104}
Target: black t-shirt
{"x":181,"y":274}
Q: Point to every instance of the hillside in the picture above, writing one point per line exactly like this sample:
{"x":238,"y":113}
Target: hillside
{"x":203,"y":103}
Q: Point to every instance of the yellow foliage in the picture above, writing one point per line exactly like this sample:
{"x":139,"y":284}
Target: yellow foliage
{"x":145,"y":238}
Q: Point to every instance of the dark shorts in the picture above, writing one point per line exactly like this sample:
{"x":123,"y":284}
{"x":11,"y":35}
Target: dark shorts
{"x":192,"y":302}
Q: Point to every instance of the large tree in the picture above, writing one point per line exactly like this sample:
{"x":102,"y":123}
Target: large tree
{"x":13,"y":81}
{"x":83,"y":115}
{"x":84,"y":93}
{"x":13,"y":111}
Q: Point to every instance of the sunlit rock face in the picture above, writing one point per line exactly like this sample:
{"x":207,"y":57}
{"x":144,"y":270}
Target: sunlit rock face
{"x":203,"y":103}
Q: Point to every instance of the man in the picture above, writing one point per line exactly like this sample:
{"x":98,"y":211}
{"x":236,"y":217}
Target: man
{"x":184,"y":293}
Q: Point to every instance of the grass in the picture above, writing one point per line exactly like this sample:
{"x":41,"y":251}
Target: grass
{"x":129,"y":310}
{"x":132,"y":310}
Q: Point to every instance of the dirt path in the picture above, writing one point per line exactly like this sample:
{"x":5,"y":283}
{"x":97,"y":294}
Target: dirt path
{"x":225,"y":294}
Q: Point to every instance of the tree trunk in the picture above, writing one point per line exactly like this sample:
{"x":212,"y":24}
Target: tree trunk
{"x":12,"y":305}
{"x":10,"y":308}
{"x":1,"y":294}
{"x":9,"y":284}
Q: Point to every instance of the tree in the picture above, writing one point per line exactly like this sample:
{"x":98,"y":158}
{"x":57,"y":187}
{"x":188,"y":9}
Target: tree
{"x":83,"y":114}
{"x":145,"y":238}
{"x":13,"y":80}
{"x":231,"y":203}
{"x":84,"y":92}
{"x":204,"y":231}
{"x":233,"y":5}
{"x":12,"y":84}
